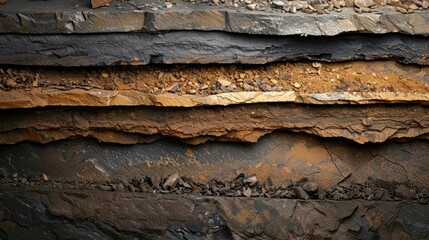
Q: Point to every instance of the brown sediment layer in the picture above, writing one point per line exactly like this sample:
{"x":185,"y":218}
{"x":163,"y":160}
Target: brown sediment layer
{"x":130,"y":125}
{"x":187,"y":86}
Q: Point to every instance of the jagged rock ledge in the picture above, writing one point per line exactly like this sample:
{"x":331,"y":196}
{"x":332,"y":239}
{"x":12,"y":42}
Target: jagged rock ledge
{"x":98,"y":98}
{"x":247,"y":123}
{"x":33,"y":17}
{"x":193,"y":47}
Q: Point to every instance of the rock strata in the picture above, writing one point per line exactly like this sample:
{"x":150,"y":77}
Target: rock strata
{"x":179,"y":86}
{"x":362,"y":124}
{"x":194,"y":47}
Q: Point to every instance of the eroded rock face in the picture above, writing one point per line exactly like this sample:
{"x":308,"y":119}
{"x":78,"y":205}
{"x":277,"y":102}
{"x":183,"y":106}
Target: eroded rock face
{"x":101,"y":215}
{"x":130,"y":125}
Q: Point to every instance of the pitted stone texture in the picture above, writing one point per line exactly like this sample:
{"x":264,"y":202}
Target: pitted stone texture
{"x":21,"y":16}
{"x":193,"y":47}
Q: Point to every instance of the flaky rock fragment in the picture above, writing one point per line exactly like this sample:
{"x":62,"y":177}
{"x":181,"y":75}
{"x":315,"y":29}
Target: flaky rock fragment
{"x":100,"y":3}
{"x":364,"y":3}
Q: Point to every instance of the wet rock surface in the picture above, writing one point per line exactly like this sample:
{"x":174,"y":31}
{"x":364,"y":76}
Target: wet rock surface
{"x":239,"y":123}
{"x":194,"y":47}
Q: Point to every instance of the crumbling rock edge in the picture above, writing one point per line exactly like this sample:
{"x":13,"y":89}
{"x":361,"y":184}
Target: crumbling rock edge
{"x":98,"y":97}
{"x":103,"y":214}
{"x":131,"y":125}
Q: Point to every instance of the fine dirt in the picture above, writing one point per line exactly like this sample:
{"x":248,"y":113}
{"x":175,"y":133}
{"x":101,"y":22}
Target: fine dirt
{"x":358,"y":77}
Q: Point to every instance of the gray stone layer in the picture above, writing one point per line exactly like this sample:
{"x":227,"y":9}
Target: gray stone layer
{"x":76,"y":16}
{"x":189,"y":47}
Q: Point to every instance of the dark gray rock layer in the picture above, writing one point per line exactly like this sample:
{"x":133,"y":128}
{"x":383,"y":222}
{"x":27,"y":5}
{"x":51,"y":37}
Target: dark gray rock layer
{"x":280,"y":155}
{"x":69,"y":214}
{"x":204,"y":47}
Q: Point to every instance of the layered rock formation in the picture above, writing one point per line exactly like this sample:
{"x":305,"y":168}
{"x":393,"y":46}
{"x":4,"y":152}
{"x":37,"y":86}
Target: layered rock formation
{"x":200,"y":149}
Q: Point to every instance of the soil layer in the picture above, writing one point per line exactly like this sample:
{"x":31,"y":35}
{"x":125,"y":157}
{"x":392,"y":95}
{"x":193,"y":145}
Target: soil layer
{"x":193,"y":85}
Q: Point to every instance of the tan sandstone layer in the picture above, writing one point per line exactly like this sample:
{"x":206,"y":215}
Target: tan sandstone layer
{"x":188,"y":86}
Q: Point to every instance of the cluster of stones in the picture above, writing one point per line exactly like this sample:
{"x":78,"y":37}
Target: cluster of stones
{"x":242,"y":186}
{"x":309,"y":6}
{"x":10,"y":79}
{"x":360,"y":6}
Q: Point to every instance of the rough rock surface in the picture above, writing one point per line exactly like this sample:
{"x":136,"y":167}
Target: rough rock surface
{"x":279,"y":155}
{"x":100,"y":215}
{"x":205,"y":47}
{"x":21,"y":16}
{"x":130,"y":125}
